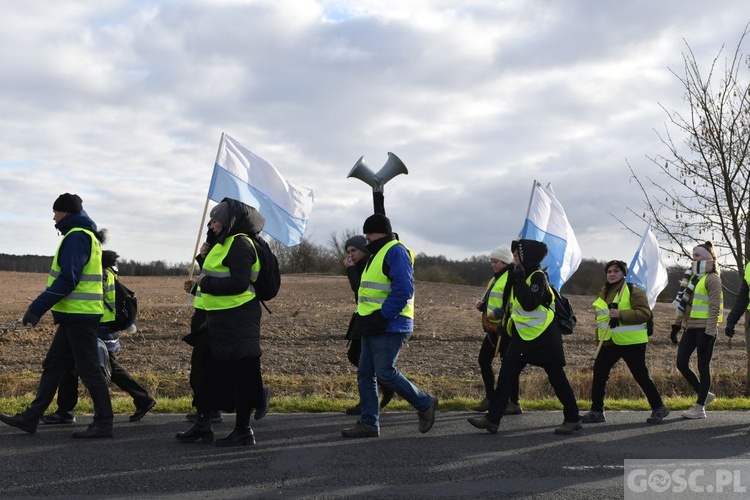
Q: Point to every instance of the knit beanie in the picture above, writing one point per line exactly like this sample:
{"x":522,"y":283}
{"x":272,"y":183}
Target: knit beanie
{"x":359,"y":242}
{"x":706,"y":250}
{"x":220,"y":213}
{"x":502,"y":253}
{"x":377,"y":223}
{"x":67,"y":202}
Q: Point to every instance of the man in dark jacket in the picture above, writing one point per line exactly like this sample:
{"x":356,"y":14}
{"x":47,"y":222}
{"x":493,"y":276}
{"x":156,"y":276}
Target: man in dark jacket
{"x":74,"y":294}
{"x":385,"y":322}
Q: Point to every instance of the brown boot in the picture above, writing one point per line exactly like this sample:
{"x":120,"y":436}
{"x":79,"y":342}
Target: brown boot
{"x":568,"y":428}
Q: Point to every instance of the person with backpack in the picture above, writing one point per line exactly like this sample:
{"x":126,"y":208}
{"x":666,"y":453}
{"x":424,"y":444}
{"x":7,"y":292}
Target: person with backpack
{"x":535,"y":339}
{"x":109,"y":332}
{"x":355,"y":262}
{"x":74,"y":294}
{"x":700,"y":306}
{"x":493,"y":306}
{"x":233,"y":381}
{"x":622,"y":314}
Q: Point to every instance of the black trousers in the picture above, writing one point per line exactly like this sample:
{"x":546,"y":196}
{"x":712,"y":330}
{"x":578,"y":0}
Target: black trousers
{"x":635,"y":357}
{"x":510,"y":371}
{"x":74,"y":344}
{"x":67,"y":391}
{"x":232,"y":385}
{"x":486,"y":356}
{"x":696,"y":339}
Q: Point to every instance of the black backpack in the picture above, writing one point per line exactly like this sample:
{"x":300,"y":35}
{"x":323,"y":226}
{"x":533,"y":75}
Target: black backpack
{"x":126,"y":307}
{"x":269,"y":279}
{"x":564,"y":315}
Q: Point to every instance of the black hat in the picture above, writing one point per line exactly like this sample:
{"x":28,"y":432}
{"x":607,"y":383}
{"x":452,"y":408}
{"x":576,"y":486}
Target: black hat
{"x":623,"y":267}
{"x":377,"y":223}
{"x":109,"y":258}
{"x":68,"y":203}
{"x":358,"y":241}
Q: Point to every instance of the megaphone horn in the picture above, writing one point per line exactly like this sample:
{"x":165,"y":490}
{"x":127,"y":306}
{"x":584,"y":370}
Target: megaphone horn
{"x":391,"y":169}
{"x":361,"y":171}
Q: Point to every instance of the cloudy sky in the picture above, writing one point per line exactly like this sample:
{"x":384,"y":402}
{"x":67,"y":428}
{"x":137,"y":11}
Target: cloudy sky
{"x":124,"y":102}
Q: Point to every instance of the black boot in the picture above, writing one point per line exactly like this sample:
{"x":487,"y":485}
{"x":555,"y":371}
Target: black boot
{"x":238,"y":437}
{"x":201,"y":429}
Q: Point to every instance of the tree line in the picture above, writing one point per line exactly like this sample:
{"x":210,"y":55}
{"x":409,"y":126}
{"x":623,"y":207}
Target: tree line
{"x":311,"y":258}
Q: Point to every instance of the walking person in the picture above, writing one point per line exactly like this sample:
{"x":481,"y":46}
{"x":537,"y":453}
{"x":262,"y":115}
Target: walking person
{"x":385,"y":322}
{"x":233,"y":381}
{"x":67,"y":391}
{"x":493,"y":307}
{"x":741,"y":305}
{"x":700,"y":306}
{"x":74,"y":294}
{"x":197,"y":338}
{"x":535,"y":340}
{"x":622,"y":312}
{"x":355,"y":262}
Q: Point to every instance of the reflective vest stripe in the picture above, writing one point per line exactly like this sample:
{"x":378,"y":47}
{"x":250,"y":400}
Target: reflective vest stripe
{"x":87,"y":296}
{"x":621,"y":334}
{"x":699,"y":309}
{"x":108,"y":314}
{"x":495,"y":297}
{"x":376,"y":286}
{"x":213,"y":266}
{"x":529,"y":324}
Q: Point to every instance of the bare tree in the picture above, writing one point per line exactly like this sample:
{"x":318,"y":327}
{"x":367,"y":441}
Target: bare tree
{"x":708,"y":172}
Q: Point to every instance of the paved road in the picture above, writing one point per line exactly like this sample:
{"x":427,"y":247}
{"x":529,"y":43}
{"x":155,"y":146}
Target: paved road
{"x":303,"y":456}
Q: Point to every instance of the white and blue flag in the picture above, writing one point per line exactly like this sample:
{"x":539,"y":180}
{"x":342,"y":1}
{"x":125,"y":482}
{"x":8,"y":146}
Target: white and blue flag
{"x":546,"y":221}
{"x":647,"y":271}
{"x":242,"y":175}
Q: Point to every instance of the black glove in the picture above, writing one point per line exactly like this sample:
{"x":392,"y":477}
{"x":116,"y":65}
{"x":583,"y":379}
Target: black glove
{"x":613,"y":322}
{"x":675,"y":330}
{"x":29,"y":318}
{"x":729,"y":331}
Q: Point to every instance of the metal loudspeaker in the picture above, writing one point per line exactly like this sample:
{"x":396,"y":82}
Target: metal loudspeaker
{"x":361,"y":171}
{"x":393,"y":167}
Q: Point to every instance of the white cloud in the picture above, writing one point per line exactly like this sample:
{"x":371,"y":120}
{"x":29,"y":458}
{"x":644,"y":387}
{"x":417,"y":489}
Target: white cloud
{"x":124,"y":102}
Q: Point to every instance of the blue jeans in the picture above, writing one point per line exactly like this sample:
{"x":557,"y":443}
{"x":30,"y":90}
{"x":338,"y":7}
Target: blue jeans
{"x":377,"y":363}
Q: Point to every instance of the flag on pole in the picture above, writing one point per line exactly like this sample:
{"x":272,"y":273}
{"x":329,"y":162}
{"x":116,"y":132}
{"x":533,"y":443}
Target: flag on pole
{"x":647,"y":271}
{"x":546,"y":221}
{"x":242,"y":175}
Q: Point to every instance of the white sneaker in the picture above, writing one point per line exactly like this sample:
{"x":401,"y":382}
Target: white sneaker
{"x":696,"y":411}
{"x":711,"y":396}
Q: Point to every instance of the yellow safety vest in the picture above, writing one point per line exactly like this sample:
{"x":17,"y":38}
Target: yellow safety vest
{"x":747,"y":280}
{"x":214,"y":267}
{"x":198,"y":299}
{"x":375,"y":286}
{"x":529,"y":324}
{"x":109,"y":298}
{"x":86,"y":297}
{"x":699,"y":308}
{"x":495,"y":298}
{"x":622,"y":334}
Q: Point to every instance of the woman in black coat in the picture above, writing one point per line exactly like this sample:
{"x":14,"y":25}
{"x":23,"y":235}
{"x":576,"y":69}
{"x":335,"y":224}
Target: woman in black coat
{"x":233,"y":380}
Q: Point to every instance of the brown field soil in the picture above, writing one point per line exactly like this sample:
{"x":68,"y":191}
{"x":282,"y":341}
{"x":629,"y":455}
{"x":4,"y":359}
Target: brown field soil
{"x":303,"y":340}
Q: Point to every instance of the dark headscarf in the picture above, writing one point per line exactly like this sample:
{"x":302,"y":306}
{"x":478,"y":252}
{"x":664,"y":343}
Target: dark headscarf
{"x":242,"y":219}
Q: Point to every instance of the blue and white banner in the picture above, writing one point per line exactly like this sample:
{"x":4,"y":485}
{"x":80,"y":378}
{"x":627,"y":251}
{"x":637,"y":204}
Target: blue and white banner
{"x":242,"y":175}
{"x":647,"y":271}
{"x":546,"y":221}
